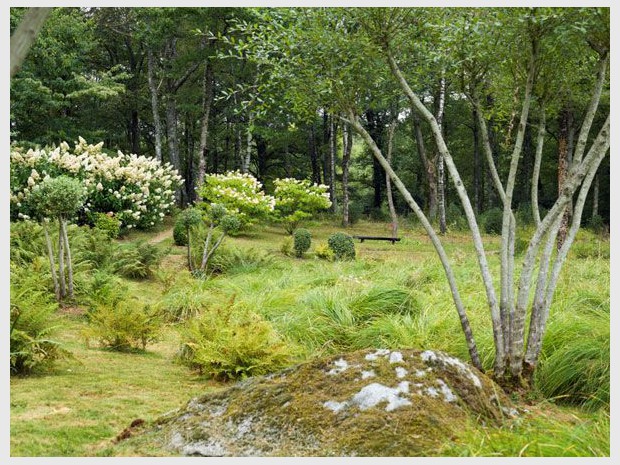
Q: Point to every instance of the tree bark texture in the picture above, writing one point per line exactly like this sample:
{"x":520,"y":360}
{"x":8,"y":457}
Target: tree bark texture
{"x":347,"y":143}
{"x":154,"y":103}
{"x":430,"y":168}
{"x":24,"y":36}
{"x":388,"y":181}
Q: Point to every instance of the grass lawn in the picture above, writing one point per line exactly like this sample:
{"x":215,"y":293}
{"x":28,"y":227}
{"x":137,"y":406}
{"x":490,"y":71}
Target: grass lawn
{"x":79,"y":407}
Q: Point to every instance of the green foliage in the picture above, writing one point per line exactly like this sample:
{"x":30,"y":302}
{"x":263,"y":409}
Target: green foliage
{"x":137,"y":260}
{"x":296,"y":200}
{"x":105,"y":289}
{"x":57,"y":197}
{"x":32,"y":324}
{"x":324,"y":252}
{"x":302,"y":240}
{"x":596,"y":224}
{"x":27,"y":242}
{"x":187,"y":219}
{"x":233,"y":343}
{"x":122,"y":325}
{"x":92,"y":248}
{"x":239,"y":260}
{"x":185,"y":301}
{"x":287,"y":247}
{"x":456,"y":218}
{"x":342,"y":245}
{"x":179,"y":233}
{"x":107,"y":223}
{"x":593,"y":248}
{"x":492,"y":220}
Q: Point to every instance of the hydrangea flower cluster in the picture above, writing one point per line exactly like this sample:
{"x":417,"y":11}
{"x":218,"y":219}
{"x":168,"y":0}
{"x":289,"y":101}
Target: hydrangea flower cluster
{"x":137,"y":190}
{"x":239,"y":193}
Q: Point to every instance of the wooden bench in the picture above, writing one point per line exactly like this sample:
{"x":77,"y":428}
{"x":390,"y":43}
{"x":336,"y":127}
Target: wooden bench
{"x":377,"y":238}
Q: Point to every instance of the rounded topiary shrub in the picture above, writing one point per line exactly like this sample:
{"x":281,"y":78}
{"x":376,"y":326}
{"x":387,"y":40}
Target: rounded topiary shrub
{"x":342,"y":245}
{"x":301,"y":241}
{"x":493,"y":221}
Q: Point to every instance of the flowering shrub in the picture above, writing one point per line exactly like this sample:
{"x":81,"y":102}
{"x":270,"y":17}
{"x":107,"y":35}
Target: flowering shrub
{"x":137,"y":190}
{"x":297,"y":200}
{"x":240,"y":194}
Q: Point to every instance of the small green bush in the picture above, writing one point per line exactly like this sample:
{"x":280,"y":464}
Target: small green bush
{"x":232,"y":343}
{"x":302,"y":240}
{"x":342,"y":245}
{"x":323,"y":252}
{"x":137,"y":260}
{"x":179,"y":233}
{"x":107,"y":223}
{"x":122,"y":326}
{"x":492,"y":220}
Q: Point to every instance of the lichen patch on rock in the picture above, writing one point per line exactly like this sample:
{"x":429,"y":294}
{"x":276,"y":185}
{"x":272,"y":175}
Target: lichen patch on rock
{"x":344,"y":405}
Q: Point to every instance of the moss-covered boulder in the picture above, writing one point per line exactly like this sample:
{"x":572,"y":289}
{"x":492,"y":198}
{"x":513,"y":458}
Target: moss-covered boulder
{"x":365,"y":403}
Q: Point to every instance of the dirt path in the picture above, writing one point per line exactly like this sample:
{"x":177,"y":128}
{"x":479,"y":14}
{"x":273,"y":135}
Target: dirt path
{"x":161,"y":236}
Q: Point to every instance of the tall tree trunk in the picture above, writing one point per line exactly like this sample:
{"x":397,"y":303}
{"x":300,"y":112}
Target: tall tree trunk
{"x":375,"y":129}
{"x":564,"y":122}
{"x":429,"y":168}
{"x":314,"y":159}
{"x":332,"y":162}
{"x":61,"y":262}
{"x":478,"y":167}
{"x":595,"y":197}
{"x":50,"y":255}
{"x":207,"y":99}
{"x":154,"y":104}
{"x":245,"y":165}
{"x":24,"y":36}
{"x":540,"y":140}
{"x":441,"y":190}
{"x":325,"y":149}
{"x":63,"y":226}
{"x":347,"y":143}
{"x":173,"y":141}
{"x":388,"y":181}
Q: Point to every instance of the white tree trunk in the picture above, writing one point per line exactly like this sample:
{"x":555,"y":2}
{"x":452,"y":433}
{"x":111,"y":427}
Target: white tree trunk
{"x":154,"y":104}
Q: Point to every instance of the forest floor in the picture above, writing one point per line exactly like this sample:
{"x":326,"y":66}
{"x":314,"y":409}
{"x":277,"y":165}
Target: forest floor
{"x":86,"y":401}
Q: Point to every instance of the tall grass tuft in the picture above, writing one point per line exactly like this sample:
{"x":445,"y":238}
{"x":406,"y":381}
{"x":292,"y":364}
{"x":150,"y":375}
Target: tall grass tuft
{"x":575,"y":363}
